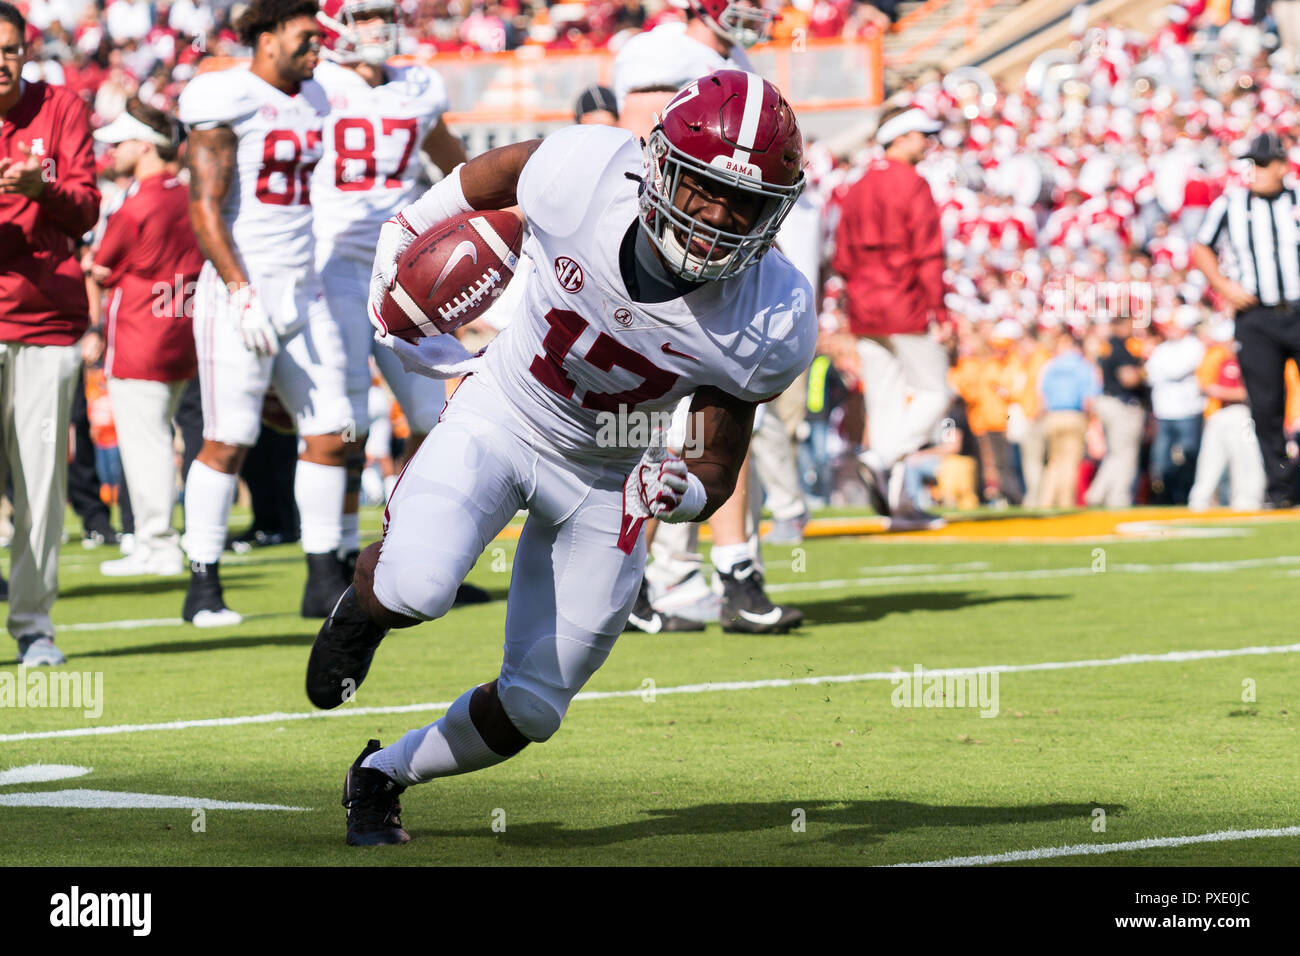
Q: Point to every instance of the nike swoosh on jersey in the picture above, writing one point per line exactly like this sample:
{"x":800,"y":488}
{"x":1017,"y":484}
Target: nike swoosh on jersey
{"x":669,"y":350}
{"x":771,"y":617}
{"x":466,"y":248}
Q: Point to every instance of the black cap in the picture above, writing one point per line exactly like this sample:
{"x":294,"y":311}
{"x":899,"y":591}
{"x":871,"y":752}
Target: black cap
{"x":595,"y":98}
{"x":1265,"y":148}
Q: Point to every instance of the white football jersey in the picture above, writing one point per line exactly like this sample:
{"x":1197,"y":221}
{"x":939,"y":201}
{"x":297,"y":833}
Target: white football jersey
{"x":667,"y":57}
{"x":580,"y":353}
{"x":372,"y":151}
{"x":268,"y":207}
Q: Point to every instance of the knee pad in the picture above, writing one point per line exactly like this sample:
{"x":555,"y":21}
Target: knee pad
{"x":420,"y":590}
{"x":532,"y":712}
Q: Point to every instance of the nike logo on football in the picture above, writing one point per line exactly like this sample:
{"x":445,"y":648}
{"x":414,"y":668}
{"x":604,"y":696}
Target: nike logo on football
{"x":669,"y":350}
{"x":771,"y":617}
{"x":466,"y":248}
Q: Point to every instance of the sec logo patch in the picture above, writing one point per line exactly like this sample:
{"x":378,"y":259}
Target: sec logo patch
{"x":569,"y":273}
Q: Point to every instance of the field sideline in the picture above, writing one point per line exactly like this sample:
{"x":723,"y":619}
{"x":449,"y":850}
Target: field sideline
{"x":1146,"y":670}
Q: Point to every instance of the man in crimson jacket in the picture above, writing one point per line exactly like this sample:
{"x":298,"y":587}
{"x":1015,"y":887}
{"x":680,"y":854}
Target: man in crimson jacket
{"x":47,"y":200}
{"x":889,"y":249}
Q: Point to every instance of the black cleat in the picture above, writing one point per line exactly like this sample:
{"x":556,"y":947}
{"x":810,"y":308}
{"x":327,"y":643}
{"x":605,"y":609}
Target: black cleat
{"x":877,"y":481}
{"x":349,"y":565}
{"x":372,"y":801}
{"x":746,"y":607}
{"x":469,"y":594}
{"x":205,"y":604}
{"x":645,"y":618}
{"x":325,"y":584}
{"x":341,"y":656}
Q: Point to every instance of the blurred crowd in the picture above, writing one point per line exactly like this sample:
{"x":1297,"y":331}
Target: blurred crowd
{"x":1069,"y":208}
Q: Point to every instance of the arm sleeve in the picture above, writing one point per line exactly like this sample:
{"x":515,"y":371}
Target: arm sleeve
{"x":794,"y":331}
{"x":927,"y":245}
{"x":118,"y":236}
{"x":70,"y":199}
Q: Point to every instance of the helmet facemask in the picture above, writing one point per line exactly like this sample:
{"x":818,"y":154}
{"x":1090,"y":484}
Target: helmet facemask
{"x":371,"y":43}
{"x":673,"y":232}
{"x":744,"y":24}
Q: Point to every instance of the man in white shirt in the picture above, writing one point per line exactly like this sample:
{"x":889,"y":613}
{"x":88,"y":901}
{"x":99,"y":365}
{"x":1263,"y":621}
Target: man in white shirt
{"x":1177,"y":404}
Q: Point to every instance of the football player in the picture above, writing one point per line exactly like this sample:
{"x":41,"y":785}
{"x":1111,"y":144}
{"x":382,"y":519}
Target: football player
{"x":379,"y":116}
{"x":655,"y":279}
{"x":648,"y":71}
{"x":651,"y":67}
{"x":260,"y":316}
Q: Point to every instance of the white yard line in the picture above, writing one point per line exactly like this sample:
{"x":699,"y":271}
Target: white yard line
{"x":705,"y":688}
{"x":1187,"y":567}
{"x":1092,"y":849}
{"x":958,"y":577}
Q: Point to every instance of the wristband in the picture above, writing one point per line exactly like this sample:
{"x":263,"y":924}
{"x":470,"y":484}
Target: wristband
{"x":693,"y":501}
{"x":439,"y":203}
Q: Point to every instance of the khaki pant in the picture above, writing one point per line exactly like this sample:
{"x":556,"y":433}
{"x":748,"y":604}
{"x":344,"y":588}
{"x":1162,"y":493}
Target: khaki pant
{"x":1064,"y":431}
{"x":1113,"y":485}
{"x":1229,"y":442}
{"x":142,"y":413}
{"x":37,"y":383}
{"x":1033,"y":458}
{"x":773,"y":451}
{"x":906,"y":382}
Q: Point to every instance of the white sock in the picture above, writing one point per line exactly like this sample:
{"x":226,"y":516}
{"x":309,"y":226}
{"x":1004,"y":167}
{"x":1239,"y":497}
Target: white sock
{"x":350,"y":539}
{"x":450,"y":746}
{"x":726,"y":556}
{"x":318,"y":489}
{"x":208,"y":497}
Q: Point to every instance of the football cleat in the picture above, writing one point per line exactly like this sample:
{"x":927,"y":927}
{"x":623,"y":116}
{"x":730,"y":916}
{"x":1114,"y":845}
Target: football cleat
{"x":746,"y":608}
{"x":372,"y":801}
{"x":341,"y":656}
{"x":645,"y":618}
{"x":205,"y":604}
{"x":326,"y":581}
{"x":876,"y":478}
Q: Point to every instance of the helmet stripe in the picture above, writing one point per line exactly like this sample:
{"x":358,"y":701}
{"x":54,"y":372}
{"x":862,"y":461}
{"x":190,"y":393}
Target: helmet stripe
{"x":749,"y":120}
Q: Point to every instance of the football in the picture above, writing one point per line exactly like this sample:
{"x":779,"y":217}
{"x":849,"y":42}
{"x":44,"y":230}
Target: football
{"x":452,"y":273}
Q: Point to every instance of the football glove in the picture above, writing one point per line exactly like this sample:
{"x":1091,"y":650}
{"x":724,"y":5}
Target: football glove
{"x":660,"y":486}
{"x":255,"y":326}
{"x":394,"y":237}
{"x":437,"y":357}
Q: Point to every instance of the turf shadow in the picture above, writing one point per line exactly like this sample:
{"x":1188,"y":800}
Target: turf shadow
{"x":862,"y":608}
{"x":854,"y":822}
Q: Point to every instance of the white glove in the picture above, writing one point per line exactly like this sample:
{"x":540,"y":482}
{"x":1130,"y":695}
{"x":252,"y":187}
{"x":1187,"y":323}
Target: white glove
{"x":394,"y":237}
{"x":259,"y":333}
{"x":660,"y":486}
{"x":437,"y":357}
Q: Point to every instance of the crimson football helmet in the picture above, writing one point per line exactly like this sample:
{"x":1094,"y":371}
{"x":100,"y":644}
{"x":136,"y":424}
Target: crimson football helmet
{"x":741,"y":22}
{"x":735,"y":130}
{"x":346,"y":42}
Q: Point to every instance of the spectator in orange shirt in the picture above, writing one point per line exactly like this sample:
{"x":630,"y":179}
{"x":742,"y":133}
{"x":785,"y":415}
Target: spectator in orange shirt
{"x":1025,"y":419}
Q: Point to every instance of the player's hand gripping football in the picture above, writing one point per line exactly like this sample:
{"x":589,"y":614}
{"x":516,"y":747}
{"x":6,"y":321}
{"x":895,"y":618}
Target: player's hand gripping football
{"x":255,"y":325}
{"x":394,"y":236}
{"x":661,"y":486}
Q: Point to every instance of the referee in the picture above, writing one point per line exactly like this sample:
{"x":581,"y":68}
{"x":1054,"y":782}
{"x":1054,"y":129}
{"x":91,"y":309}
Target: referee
{"x":1260,"y":230}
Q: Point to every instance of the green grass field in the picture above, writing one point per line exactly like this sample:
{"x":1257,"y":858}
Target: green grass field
{"x":675,"y":772}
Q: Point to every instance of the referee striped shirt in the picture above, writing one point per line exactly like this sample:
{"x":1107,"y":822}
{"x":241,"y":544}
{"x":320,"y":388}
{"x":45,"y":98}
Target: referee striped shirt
{"x":1263,"y":239}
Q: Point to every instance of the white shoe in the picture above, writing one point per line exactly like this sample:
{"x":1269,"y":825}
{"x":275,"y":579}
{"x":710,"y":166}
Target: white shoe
{"x":691,"y":598}
{"x":38,"y":650}
{"x":223,"y":618}
{"x":141,"y":563}
{"x":126,"y":545}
